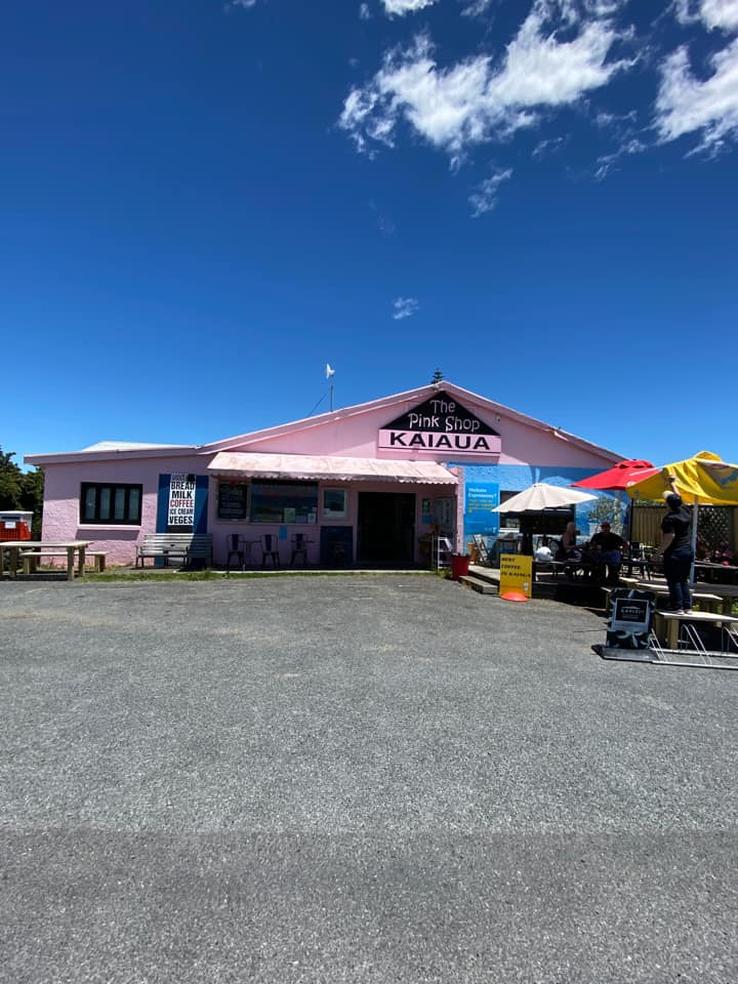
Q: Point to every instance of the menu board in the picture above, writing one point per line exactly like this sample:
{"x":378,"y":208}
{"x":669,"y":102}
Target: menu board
{"x":232,"y":500}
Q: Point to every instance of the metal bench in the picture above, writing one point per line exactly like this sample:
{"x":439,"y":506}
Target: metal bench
{"x":182,"y":547}
{"x":30,"y":558}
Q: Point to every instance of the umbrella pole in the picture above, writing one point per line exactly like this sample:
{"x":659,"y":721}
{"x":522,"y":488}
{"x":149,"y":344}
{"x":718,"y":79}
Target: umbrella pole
{"x":695,"y":523}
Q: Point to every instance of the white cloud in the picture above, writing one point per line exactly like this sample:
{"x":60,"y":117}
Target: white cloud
{"x":607,"y":161}
{"x":365,"y":13}
{"x":685,"y":104}
{"x":404,"y":307}
{"x":398,"y":8}
{"x":475,"y":100}
{"x":544,"y":148}
{"x":245,"y":4}
{"x":475,"y":8}
{"x":720,"y":14}
{"x":484,"y":197}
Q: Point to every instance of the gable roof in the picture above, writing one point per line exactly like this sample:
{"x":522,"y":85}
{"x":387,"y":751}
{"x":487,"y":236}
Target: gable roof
{"x":107,"y":450}
{"x":419,"y":394}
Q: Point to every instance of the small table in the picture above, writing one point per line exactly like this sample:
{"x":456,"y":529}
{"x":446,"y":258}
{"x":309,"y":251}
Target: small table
{"x":72,"y":547}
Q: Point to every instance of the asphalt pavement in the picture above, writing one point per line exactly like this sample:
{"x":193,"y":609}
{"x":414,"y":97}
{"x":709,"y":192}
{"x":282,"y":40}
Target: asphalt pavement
{"x":364,"y":779}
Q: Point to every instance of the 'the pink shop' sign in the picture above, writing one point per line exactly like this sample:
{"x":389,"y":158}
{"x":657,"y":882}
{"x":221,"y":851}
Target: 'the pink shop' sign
{"x":441,"y":424}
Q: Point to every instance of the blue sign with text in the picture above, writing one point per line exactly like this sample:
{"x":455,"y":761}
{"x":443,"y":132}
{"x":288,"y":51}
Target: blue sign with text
{"x":480,"y":499}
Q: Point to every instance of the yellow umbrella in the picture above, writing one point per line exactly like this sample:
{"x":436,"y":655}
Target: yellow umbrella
{"x":704,"y":479}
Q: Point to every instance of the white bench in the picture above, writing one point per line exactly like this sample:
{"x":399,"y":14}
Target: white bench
{"x":182,"y":547}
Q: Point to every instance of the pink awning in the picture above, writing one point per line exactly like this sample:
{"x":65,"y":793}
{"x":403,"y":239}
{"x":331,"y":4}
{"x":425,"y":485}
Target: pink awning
{"x":329,"y":468}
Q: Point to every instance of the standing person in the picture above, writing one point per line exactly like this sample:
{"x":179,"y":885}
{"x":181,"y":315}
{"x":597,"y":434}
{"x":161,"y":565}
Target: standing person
{"x":676,"y":549}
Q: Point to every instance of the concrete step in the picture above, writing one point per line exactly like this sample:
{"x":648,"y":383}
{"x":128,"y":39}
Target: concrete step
{"x":478,"y":584}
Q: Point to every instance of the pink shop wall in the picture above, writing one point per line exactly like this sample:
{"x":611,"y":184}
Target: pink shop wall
{"x":61,"y":519}
{"x":220,"y":529}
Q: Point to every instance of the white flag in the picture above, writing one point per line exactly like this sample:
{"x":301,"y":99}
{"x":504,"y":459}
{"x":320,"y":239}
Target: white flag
{"x":328,"y":371}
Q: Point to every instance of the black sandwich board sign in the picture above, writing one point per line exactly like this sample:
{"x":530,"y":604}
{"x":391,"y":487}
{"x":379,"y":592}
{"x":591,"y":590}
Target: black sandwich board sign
{"x":630,"y":622}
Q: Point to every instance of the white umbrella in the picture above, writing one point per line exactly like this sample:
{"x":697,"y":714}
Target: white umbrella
{"x":542,"y":496}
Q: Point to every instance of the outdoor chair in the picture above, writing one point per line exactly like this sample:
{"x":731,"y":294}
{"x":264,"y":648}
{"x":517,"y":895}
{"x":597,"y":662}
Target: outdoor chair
{"x":237,"y":549}
{"x":270,"y":548}
{"x":299,"y":549}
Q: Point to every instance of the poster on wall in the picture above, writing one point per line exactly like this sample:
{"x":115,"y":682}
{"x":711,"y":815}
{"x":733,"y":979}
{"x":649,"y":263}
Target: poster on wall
{"x":480,"y":498}
{"x":181,"y":508}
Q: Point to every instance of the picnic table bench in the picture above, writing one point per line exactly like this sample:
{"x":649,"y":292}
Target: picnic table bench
{"x":712,"y":602}
{"x":674,"y":621}
{"x":727,"y":593}
{"x":68,"y":548}
{"x":184,"y":547}
{"x":30,"y":558}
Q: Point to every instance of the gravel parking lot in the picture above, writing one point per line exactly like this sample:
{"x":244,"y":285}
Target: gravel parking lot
{"x":360,"y":779}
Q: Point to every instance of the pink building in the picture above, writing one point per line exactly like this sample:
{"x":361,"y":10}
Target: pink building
{"x":365,"y":485}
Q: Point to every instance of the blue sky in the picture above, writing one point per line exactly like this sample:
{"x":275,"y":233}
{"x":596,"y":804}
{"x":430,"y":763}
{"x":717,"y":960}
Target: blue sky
{"x":203,"y":203}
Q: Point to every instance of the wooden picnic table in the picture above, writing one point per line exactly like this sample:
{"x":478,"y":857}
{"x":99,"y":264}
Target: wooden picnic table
{"x":719,"y":573}
{"x":71,"y":547}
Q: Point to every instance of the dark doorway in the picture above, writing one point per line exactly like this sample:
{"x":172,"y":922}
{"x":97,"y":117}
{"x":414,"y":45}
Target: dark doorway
{"x":386,"y":529}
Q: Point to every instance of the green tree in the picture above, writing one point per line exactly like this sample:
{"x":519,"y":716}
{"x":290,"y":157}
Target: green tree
{"x":10,"y":481}
{"x":21,"y":490}
{"x":607,"y":509}
{"x":32,"y":497}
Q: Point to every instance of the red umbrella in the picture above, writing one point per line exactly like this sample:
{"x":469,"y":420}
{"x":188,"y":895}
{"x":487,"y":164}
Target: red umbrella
{"x":619,"y":477}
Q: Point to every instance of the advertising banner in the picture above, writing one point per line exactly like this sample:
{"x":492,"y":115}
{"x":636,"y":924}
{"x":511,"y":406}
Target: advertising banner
{"x":480,"y":498}
{"x":516,"y":574}
{"x":181,"y":508}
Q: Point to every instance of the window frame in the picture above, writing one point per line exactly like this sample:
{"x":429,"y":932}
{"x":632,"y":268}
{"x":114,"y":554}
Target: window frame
{"x":114,"y":488}
{"x":256,"y":482}
{"x":246,"y":518}
{"x":330,"y":514}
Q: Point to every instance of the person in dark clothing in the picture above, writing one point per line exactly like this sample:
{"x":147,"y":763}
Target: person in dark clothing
{"x":607,"y":551}
{"x":676,"y":549}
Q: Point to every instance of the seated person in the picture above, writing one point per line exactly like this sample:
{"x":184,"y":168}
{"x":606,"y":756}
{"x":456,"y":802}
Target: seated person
{"x":607,"y":550}
{"x":544,"y":553}
{"x":568,"y":545}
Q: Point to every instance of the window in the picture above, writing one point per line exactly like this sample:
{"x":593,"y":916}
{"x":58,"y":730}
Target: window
{"x":233,"y":500}
{"x":335,"y":503}
{"x":113,"y":505}
{"x":284,"y":502}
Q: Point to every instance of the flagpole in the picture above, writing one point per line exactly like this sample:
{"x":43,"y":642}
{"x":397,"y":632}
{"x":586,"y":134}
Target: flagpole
{"x":330,"y":372}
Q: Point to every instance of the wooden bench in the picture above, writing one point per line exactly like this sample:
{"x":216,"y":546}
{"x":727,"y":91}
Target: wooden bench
{"x":183,"y":547}
{"x":711,"y":601}
{"x":30,"y":558}
{"x":673,"y":623}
